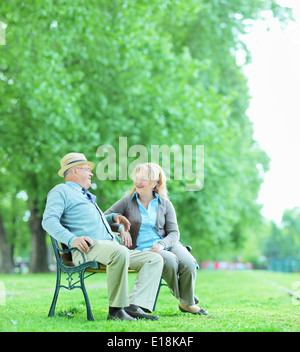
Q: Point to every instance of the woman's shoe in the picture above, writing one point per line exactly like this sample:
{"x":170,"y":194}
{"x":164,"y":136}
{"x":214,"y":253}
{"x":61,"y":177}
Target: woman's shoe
{"x":201,"y":311}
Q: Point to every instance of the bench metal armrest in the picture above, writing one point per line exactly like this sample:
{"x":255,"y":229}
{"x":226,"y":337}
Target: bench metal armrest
{"x":68,"y":250}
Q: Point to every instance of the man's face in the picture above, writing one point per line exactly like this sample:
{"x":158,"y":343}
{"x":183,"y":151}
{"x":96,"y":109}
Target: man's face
{"x":83,"y":175}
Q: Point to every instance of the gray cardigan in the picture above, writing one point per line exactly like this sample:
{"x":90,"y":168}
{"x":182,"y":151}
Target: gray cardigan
{"x":166,"y":221}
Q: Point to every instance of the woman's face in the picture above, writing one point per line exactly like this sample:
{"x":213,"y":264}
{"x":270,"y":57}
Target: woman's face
{"x":143,"y":185}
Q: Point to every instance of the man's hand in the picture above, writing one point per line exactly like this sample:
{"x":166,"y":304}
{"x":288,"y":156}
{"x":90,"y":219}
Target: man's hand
{"x":120,"y":219}
{"x":80,"y":243}
{"x":126,"y":239}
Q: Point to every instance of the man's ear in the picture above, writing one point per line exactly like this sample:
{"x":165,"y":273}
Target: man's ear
{"x":74,"y":171}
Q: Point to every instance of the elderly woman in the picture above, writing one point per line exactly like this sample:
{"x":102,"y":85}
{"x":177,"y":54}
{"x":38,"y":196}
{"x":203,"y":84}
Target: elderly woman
{"x":154,"y":228}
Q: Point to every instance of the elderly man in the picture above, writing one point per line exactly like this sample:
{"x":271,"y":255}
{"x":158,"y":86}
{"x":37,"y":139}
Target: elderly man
{"x":73,"y":218}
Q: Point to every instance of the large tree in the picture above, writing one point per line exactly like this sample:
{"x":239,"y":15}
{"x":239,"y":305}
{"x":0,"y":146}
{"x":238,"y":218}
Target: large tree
{"x":76,"y":75}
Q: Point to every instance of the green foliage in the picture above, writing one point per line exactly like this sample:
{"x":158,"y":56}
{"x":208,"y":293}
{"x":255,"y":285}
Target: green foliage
{"x":77,"y":75}
{"x":283,"y":241}
{"x":274,"y":241}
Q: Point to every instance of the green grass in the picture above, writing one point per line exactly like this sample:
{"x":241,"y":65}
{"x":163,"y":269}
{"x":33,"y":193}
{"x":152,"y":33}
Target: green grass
{"x":236,"y":301}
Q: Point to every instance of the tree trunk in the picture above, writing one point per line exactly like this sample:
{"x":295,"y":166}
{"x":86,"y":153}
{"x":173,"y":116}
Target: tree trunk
{"x":6,"y":260}
{"x":38,"y":258}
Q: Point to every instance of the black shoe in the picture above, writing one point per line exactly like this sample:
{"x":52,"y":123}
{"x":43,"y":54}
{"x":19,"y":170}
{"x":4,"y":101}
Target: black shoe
{"x":140,"y":314}
{"x":201,"y":311}
{"x":120,"y":315}
{"x":196,"y":299}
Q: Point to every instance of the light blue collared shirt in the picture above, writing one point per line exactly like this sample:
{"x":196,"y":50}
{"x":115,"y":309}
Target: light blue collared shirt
{"x":77,"y":187}
{"x":148,"y":235}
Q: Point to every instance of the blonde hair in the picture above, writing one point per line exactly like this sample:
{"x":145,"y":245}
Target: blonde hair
{"x":155,"y":173}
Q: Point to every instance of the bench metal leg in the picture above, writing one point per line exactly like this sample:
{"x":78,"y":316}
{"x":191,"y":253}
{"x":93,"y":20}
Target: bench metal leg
{"x":56,"y":292}
{"x":86,"y":297}
{"x":156,"y":298}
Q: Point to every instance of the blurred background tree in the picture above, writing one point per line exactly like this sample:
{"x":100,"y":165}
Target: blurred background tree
{"x":275,"y":242}
{"x":81,"y":74}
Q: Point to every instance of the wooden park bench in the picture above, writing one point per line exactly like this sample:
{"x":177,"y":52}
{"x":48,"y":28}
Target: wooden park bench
{"x":63,"y":256}
{"x":64,"y":263}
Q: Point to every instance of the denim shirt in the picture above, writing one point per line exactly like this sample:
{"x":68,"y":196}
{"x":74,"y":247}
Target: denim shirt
{"x":148,"y":235}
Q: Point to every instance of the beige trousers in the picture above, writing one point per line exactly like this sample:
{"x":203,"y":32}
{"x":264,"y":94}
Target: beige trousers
{"x":118,"y":259}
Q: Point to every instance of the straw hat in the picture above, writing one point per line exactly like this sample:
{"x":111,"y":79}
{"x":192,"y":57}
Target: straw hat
{"x":73,"y":159}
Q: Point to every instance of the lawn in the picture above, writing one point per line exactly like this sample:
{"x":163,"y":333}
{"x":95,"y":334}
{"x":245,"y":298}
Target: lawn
{"x":236,"y":301}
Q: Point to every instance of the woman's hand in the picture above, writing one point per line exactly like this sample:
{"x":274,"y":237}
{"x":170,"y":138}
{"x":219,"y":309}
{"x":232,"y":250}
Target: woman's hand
{"x":126,"y":239}
{"x":157,"y":248}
